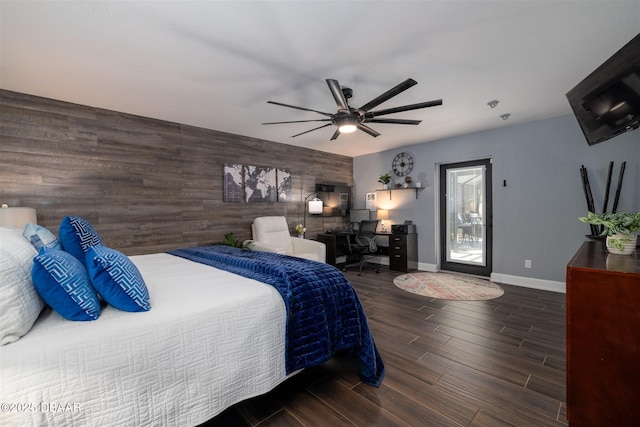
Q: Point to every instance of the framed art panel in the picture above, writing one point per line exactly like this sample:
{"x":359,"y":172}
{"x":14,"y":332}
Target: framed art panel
{"x":284,"y":185}
{"x":232,"y":191}
{"x":370,"y":201}
{"x":260,"y":184}
{"x":343,"y":198}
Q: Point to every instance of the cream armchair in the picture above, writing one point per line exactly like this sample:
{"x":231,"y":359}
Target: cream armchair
{"x":271,"y":234}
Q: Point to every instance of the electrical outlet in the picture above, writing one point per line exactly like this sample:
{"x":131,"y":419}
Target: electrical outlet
{"x":527,"y":263}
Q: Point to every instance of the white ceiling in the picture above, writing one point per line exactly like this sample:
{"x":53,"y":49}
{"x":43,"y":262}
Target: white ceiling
{"x":214,"y":64}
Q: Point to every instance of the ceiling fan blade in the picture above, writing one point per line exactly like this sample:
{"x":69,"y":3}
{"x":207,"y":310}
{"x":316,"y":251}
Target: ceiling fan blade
{"x":297,"y":121}
{"x":336,"y":134}
{"x":388,"y":94}
{"x":299,"y":108}
{"x":371,"y":114}
{"x":395,"y":121}
{"x":311,"y":130}
{"x":336,"y":91}
{"x":368,"y":130}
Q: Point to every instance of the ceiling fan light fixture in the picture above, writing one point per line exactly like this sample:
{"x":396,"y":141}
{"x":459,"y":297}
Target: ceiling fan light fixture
{"x":347,"y":128}
{"x":346,"y":124}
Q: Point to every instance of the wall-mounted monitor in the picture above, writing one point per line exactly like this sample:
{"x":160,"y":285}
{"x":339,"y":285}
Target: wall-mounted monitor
{"x":607,"y":102}
{"x":336,"y":199}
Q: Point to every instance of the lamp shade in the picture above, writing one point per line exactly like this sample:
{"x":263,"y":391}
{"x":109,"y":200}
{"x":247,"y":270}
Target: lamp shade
{"x":17,"y":217}
{"x":315,"y":207}
{"x":382,"y":214}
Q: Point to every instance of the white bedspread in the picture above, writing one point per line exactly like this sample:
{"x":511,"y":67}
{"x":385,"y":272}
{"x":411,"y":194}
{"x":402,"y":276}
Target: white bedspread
{"x":210,"y":340}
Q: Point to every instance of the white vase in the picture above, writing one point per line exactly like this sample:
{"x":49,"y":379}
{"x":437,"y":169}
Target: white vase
{"x":385,"y":186}
{"x":622,"y":244}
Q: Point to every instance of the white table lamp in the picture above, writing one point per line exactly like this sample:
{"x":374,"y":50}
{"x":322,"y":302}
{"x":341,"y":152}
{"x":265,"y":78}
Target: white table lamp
{"x":17,"y":217}
{"x":382,"y":214}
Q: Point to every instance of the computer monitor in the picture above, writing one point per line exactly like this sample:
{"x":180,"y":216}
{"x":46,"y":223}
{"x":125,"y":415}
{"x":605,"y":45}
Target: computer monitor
{"x":357,"y":215}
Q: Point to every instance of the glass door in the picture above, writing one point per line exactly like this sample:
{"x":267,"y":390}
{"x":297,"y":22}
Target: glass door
{"x":465,"y":217}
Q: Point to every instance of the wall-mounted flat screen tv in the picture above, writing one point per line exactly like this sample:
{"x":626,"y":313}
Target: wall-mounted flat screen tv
{"x":336,"y":199}
{"x":607,"y":102}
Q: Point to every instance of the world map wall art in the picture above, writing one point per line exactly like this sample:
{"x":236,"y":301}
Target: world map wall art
{"x":256,"y":184}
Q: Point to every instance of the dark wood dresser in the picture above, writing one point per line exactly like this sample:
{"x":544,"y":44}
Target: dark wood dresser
{"x":603,"y":338}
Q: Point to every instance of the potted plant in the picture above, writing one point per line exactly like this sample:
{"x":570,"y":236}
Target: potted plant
{"x":230,"y":240}
{"x":384,"y":179}
{"x":300,"y":229}
{"x":620,"y":229}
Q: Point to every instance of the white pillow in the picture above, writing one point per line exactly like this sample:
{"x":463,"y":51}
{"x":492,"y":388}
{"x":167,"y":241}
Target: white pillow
{"x":20,"y":304}
{"x":40,"y":237}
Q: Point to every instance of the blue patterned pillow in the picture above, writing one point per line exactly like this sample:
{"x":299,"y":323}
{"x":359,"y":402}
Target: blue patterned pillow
{"x":117,"y":279}
{"x":63,"y":282}
{"x":40,"y":237}
{"x":77,"y":236}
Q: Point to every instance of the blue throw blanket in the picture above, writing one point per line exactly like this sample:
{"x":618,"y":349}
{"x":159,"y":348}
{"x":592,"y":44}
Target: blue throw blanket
{"x":324,"y":314}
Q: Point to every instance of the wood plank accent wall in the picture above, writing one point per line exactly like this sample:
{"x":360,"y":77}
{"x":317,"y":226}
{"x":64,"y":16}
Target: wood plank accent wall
{"x":146,"y":185}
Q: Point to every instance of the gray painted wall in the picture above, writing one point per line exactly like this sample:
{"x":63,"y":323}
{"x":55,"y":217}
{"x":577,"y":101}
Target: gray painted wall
{"x":536,"y":214}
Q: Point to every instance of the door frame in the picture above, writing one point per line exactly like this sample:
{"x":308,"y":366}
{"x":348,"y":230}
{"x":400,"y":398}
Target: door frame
{"x":479,"y":270}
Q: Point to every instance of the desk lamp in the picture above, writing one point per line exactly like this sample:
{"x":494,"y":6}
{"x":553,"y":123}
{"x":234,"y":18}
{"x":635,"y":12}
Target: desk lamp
{"x":315,"y":207}
{"x":382,"y":214}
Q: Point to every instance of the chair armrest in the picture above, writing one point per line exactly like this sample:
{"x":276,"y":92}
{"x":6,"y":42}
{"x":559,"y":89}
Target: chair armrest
{"x":313,"y":246}
{"x":264,"y":247}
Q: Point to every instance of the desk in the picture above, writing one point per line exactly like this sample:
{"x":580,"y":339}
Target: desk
{"x":336,"y":244}
{"x":402,"y":251}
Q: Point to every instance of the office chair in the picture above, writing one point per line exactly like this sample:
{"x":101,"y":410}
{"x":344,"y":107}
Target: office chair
{"x":364,"y":247}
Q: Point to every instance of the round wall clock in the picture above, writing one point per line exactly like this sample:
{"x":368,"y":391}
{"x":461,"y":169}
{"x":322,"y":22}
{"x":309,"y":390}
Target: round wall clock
{"x":402,"y":164}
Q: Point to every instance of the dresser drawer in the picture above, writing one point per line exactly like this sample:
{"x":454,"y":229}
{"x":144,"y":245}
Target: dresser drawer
{"x":396,"y":249}
{"x":397,"y":262}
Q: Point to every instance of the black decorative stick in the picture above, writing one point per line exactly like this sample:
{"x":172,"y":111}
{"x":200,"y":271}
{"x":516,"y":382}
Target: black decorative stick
{"x":592,"y":206}
{"x":606,"y":194}
{"x":583,"y":174}
{"x":615,"y":200}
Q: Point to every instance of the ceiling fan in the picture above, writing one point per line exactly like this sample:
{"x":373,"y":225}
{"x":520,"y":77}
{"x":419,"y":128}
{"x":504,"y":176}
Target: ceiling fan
{"x":348,"y":119}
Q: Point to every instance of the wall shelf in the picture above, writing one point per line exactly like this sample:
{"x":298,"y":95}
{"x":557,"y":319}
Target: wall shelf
{"x":391,"y":190}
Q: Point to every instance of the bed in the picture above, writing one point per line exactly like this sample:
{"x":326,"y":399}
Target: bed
{"x":215,"y":335}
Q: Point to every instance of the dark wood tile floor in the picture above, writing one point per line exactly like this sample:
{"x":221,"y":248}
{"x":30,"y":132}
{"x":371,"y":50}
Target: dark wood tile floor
{"x":449,"y":363}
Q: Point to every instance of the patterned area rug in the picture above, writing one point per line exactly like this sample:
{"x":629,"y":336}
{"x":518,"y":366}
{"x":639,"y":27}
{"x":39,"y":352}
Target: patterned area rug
{"x":448,"y":286}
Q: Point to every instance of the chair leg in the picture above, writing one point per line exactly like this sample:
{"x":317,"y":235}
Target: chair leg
{"x":371,"y":265}
{"x":361,"y":264}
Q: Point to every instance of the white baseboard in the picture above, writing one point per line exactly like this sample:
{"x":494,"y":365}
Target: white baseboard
{"x":507,"y":279}
{"x":384,"y":260}
{"x":431,"y":268}
{"x":529,"y":282}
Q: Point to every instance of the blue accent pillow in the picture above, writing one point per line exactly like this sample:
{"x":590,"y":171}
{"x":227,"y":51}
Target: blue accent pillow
{"x":63,"y":282}
{"x":40,"y":237}
{"x":77,"y":236}
{"x":117,"y":279}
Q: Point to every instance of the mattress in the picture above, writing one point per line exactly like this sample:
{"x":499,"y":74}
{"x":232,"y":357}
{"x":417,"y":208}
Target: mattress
{"x":210,"y":340}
